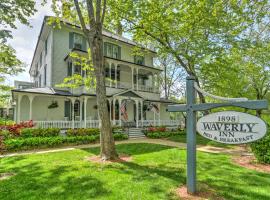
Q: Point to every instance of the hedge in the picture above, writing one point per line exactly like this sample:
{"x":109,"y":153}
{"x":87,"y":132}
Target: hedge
{"x":39,"y":132}
{"x":261,"y":149}
{"x":15,"y":144}
{"x":83,"y":132}
{"x":160,"y":134}
{"x":120,"y":136}
{"x":34,"y":142}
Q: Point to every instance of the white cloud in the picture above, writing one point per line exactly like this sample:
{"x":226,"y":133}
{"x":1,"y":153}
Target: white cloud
{"x":25,"y":39}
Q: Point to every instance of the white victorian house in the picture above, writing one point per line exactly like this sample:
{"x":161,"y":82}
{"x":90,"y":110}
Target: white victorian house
{"x":135,"y":82}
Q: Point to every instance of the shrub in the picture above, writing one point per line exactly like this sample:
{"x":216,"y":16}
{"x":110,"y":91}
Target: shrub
{"x":156,"y":129}
{"x":34,"y":142}
{"x":15,"y":129}
{"x":83,"y":132}
{"x":39,"y":132}
{"x":4,"y":122}
{"x":117,"y":129}
{"x":120,"y":136}
{"x":161,"y":134}
{"x":261,"y":149}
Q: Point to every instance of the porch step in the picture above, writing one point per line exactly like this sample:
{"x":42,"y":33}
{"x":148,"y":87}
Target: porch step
{"x":134,"y":133}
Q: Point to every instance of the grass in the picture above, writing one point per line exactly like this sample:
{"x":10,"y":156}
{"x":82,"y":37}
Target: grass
{"x":200,"y":141}
{"x":154,"y":173}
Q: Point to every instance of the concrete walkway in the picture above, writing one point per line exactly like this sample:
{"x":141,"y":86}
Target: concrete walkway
{"x":209,"y":149}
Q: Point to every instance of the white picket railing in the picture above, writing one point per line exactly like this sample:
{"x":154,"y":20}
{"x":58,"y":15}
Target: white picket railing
{"x":95,"y":123}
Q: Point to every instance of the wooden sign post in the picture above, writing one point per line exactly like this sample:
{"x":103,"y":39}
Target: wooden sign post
{"x":191,"y":108}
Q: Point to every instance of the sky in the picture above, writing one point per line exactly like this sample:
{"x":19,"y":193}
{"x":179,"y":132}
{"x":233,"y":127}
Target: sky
{"x":25,"y":39}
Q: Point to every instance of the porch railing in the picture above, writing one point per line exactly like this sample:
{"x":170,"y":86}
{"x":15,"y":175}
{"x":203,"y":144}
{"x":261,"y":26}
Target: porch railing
{"x":95,"y":123}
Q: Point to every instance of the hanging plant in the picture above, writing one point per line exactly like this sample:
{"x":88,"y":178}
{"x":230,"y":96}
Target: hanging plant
{"x":95,"y":106}
{"x":54,"y":104}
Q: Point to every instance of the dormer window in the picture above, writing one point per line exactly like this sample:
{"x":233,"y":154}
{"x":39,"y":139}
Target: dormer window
{"x":77,"y":41}
{"x":112,"y":50}
{"x":139,"y":60}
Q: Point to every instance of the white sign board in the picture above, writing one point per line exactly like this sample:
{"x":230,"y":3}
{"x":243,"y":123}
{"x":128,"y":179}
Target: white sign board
{"x":231,"y":127}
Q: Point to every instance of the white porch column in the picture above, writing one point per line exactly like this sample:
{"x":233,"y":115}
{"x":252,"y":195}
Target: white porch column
{"x":132,"y":78}
{"x":153,"y":82}
{"x":85,"y":104}
{"x":142,"y":113}
{"x":72,"y":112}
{"x":115,"y":74}
{"x":120,"y":102}
{"x":154,"y":118}
{"x":110,"y":73}
{"x":31,"y":97}
{"x":137,"y":113}
{"x":137,"y":79}
{"x":159,"y":114}
{"x":114,"y":100}
{"x":81,"y":103}
{"x":19,"y":108}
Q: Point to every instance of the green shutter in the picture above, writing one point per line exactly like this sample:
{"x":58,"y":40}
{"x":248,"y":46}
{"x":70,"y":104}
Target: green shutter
{"x":84,"y":44}
{"x":69,"y":69}
{"x":119,"y":53}
{"x":67,"y":109}
{"x":71,"y":40}
{"x":83,"y":111}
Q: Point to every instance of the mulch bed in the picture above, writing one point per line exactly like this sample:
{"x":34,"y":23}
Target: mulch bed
{"x":6,"y":175}
{"x":122,"y":158}
{"x":204,"y":193}
{"x":249,"y":161}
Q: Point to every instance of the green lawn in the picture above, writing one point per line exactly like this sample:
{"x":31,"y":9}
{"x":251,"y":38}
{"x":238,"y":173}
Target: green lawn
{"x":154,"y":173}
{"x":200,"y":141}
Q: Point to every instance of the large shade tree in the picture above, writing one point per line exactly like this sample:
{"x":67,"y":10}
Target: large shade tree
{"x":90,"y":16}
{"x":194,"y":31}
{"x":11,"y":12}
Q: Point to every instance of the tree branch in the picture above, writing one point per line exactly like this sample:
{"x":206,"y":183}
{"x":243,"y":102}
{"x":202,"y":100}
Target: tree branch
{"x":98,"y":8}
{"x":79,"y":12}
{"x":103,"y":11}
{"x":90,"y":10}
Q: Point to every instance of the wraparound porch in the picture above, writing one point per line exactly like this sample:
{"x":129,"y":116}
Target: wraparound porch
{"x":82,"y":111}
{"x":96,"y":123}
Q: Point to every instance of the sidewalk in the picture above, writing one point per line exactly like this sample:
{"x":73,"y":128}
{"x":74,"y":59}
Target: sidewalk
{"x":209,"y":149}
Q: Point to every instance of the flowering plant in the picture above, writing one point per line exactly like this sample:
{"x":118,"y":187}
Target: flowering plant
{"x":15,"y":129}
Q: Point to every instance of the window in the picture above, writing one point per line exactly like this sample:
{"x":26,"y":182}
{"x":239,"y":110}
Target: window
{"x":112,"y":50}
{"x":77,"y":41}
{"x":77,"y":108}
{"x":45,"y":75}
{"x":69,"y":69}
{"x":46,"y":46}
{"x":113,"y":74}
{"x":40,"y":60}
{"x":139,"y":60}
{"x":77,"y":69}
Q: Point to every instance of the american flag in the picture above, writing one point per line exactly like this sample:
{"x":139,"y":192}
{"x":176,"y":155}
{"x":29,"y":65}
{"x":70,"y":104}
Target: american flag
{"x":123,"y":110}
{"x":153,"y":107}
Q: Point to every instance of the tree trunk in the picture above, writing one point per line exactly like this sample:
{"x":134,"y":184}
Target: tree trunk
{"x":107,"y":145}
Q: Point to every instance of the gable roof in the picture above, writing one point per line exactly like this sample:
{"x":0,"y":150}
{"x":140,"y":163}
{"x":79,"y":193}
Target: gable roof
{"x":128,"y":93}
{"x":44,"y":90}
{"x":105,"y":33}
